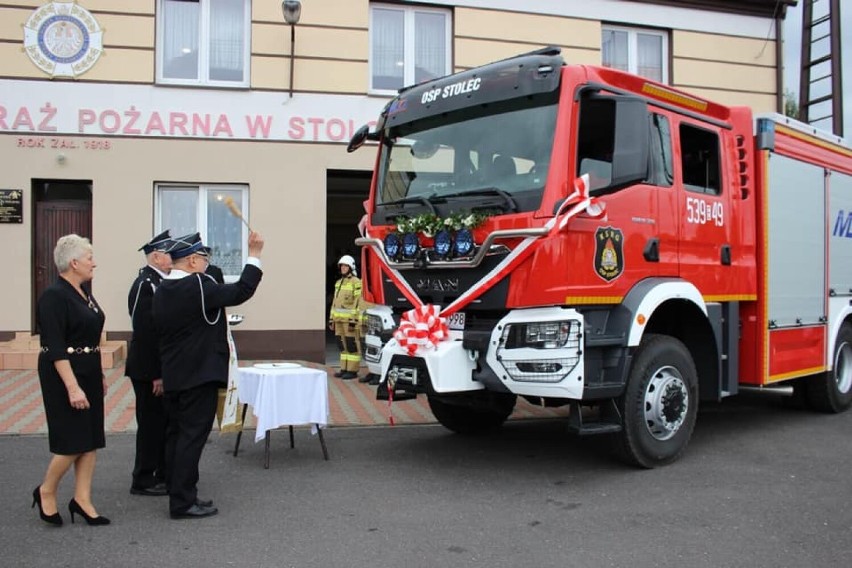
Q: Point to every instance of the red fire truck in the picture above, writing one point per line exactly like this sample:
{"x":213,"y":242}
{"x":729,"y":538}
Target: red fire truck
{"x":576,"y":235}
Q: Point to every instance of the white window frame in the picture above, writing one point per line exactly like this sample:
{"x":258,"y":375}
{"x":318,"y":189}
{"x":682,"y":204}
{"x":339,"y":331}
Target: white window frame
{"x":632,"y":47}
{"x":408,"y":48}
{"x":204,"y":50}
{"x":202,"y":189}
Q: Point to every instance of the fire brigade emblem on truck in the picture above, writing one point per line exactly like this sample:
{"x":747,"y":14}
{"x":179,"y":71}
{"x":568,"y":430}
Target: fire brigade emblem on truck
{"x":609,"y":256}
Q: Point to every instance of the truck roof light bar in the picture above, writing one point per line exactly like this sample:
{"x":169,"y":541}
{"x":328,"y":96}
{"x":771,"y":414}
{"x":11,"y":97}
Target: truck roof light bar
{"x":674,"y":97}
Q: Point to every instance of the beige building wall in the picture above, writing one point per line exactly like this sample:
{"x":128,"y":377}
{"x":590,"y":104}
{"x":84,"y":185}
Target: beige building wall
{"x":332,"y":48}
{"x":128,"y":41}
{"x":488,"y":35}
{"x":726,"y":69}
{"x":287,"y":179}
{"x":287,"y":201}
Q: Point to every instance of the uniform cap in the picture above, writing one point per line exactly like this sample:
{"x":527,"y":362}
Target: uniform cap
{"x":161,"y":242}
{"x":187,"y":245}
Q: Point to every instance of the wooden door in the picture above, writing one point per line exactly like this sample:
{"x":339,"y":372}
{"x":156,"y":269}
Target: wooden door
{"x":54,"y":219}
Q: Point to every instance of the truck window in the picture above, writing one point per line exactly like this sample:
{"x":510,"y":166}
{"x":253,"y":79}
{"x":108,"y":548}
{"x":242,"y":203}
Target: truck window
{"x":699,"y":150}
{"x":595,"y":142}
{"x":662,"y":172}
{"x":450,"y":160}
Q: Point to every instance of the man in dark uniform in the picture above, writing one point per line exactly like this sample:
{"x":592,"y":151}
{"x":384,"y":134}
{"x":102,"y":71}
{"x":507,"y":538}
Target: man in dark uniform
{"x":190,"y":319}
{"x":215,"y":272}
{"x":143,"y":368}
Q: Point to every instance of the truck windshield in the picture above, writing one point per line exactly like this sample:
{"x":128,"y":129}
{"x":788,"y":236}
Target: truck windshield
{"x":500,"y":150}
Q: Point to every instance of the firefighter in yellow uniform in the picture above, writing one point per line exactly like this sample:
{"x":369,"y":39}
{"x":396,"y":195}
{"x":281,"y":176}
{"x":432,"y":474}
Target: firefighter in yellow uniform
{"x":345,"y":318}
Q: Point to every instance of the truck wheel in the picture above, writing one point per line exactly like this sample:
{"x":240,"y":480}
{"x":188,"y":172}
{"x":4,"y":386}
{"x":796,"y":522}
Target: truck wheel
{"x":832,"y":391}
{"x":467,"y":419}
{"x":660,"y":403}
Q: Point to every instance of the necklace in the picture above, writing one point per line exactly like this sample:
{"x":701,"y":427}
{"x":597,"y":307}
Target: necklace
{"x":90,"y":302}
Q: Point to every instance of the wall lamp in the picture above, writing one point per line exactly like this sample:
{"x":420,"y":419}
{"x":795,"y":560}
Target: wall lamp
{"x":292,"y":10}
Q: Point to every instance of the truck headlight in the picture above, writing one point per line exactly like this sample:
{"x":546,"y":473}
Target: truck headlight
{"x":539,"y":335}
{"x":374,"y":324}
{"x":538,"y":345}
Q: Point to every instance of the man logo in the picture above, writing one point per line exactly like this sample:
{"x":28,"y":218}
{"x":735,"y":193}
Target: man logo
{"x":437,"y":285}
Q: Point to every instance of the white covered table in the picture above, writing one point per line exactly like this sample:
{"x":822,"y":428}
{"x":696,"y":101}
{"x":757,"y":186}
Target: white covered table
{"x":284,"y":394}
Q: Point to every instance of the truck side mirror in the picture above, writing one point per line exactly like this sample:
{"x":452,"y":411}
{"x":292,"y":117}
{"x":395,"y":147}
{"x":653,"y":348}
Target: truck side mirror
{"x":361,"y":135}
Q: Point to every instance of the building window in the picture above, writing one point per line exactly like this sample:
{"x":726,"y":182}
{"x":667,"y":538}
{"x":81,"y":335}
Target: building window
{"x":186,"y":209}
{"x":407,"y":46}
{"x":642,"y":52}
{"x":203,"y":42}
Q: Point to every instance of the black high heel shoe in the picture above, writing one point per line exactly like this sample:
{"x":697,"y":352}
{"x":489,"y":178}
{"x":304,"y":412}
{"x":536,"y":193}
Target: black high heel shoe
{"x":74,"y":507}
{"x":55,"y":519}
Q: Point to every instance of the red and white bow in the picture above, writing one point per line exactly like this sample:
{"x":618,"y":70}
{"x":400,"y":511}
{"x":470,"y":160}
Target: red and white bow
{"x":578,"y":202}
{"x":422,"y":326}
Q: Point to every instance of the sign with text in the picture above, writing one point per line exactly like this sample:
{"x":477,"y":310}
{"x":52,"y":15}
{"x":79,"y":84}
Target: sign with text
{"x":11,"y":206}
{"x":40,"y":107}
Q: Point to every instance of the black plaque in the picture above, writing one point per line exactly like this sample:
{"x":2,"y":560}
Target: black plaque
{"x":11,"y":206}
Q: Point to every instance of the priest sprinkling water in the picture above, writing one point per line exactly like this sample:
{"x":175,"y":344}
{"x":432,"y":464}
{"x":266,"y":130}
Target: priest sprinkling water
{"x":190,"y":317}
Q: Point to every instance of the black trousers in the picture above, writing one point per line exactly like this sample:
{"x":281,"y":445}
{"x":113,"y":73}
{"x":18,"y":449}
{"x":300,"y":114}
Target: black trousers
{"x":191,"y":414}
{"x":150,"y":465}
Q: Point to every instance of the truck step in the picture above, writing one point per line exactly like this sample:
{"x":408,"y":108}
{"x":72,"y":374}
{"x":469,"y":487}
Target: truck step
{"x":606,"y":421}
{"x":605,"y":340}
{"x":593,"y":428}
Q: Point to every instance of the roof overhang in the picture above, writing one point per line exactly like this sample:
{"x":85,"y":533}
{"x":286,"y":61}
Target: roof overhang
{"x":764,"y":8}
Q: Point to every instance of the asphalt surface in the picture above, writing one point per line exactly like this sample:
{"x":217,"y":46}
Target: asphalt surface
{"x":762,"y":484}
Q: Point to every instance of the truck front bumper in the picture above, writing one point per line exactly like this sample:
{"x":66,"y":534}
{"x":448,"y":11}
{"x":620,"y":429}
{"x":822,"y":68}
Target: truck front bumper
{"x":523,"y":369}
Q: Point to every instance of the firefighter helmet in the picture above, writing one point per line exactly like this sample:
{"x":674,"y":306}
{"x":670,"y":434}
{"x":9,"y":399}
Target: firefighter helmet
{"x":348,"y":261}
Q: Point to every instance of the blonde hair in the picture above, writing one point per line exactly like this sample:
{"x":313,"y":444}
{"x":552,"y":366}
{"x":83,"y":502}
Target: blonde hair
{"x":68,"y":248}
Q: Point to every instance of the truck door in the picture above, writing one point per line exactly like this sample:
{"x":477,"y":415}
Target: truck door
{"x":641,"y":217}
{"x":664,"y":246}
{"x":704,"y":210}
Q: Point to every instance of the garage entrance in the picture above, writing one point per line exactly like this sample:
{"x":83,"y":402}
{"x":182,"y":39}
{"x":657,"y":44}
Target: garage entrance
{"x":346,"y":191}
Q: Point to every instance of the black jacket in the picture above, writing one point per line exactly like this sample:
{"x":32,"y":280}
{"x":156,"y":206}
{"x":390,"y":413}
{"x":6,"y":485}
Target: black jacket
{"x":194,"y":339}
{"x":216,"y":273}
{"x":143,"y":355}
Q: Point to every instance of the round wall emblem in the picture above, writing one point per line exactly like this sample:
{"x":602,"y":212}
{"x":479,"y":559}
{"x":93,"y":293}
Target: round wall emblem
{"x":63,"y":39}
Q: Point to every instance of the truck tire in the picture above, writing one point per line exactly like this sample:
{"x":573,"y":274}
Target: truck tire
{"x":660,"y":403}
{"x":467,"y":419}
{"x":832,"y":391}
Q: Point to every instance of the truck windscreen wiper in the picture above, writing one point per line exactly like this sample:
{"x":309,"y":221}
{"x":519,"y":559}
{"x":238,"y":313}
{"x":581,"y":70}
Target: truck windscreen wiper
{"x":427,"y":201}
{"x":510,"y":201}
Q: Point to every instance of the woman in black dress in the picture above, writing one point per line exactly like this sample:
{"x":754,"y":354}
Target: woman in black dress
{"x":72,"y":380}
